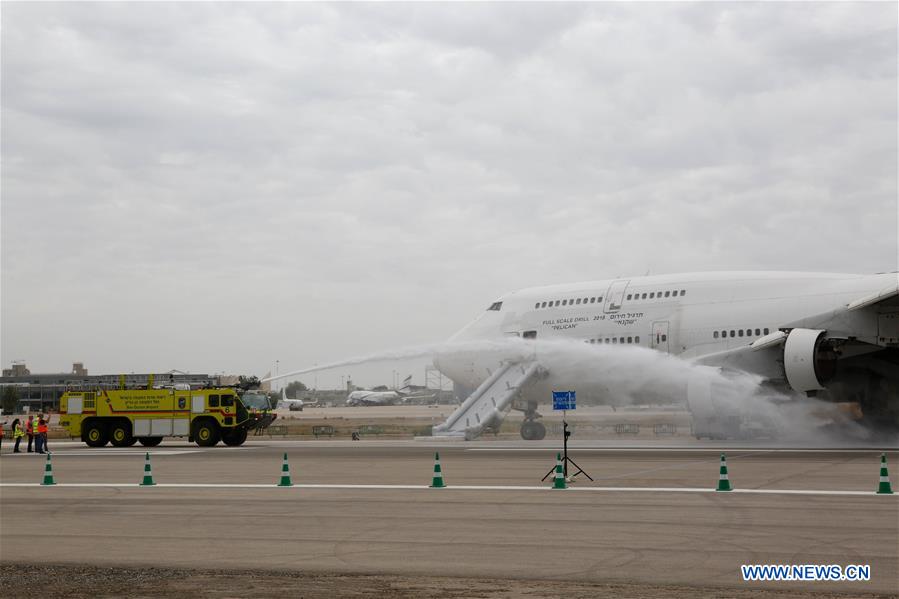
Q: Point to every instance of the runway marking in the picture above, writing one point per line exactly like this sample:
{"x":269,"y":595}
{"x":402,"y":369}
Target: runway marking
{"x":465,"y":488}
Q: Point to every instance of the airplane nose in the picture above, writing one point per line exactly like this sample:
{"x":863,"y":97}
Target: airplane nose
{"x":472,"y":353}
{"x":456,"y":365}
{"x":448,"y":365}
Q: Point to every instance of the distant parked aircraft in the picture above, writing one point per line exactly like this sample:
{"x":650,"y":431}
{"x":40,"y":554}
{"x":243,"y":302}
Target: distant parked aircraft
{"x":295,"y":404}
{"x":387,"y":398}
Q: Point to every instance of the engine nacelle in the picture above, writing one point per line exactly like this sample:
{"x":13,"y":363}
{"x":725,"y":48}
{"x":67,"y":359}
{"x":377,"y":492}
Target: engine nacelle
{"x":809,"y":360}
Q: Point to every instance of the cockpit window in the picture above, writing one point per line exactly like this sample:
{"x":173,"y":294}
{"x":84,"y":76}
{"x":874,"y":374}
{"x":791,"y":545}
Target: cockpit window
{"x":495,"y":306}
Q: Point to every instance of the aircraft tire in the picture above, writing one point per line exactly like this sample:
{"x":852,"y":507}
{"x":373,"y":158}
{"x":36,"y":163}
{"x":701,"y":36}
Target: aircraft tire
{"x":531,"y":430}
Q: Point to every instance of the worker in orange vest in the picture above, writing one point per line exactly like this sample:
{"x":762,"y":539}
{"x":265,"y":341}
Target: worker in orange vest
{"x":43,"y":429}
{"x":29,"y":430}
{"x":41,"y":440}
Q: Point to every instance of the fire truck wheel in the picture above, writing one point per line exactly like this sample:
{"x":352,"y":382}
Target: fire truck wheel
{"x":206,"y":433}
{"x":120,"y":434}
{"x":95,"y":435}
{"x":150,"y":441}
{"x":235,"y":438}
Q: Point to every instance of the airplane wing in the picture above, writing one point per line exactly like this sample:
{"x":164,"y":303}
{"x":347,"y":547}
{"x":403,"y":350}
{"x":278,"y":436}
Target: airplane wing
{"x":888,"y":295}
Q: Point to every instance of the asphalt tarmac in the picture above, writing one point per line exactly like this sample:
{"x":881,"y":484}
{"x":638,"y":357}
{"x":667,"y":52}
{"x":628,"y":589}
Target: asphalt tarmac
{"x":650,"y":517}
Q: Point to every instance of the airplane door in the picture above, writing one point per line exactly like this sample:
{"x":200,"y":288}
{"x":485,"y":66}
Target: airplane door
{"x":659,"y":338}
{"x":615,"y":296}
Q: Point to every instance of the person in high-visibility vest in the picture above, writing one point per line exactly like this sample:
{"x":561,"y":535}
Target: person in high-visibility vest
{"x":40,"y":434}
{"x":29,"y":430}
{"x":43,"y":429}
{"x":17,"y":432}
{"x":36,"y":435}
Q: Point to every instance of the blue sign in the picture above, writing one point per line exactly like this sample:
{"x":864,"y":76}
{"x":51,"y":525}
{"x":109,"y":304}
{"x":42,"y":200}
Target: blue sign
{"x":564,"y":400}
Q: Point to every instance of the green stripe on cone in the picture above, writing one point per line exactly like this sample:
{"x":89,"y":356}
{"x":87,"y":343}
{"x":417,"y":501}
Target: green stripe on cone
{"x":884,"y":487}
{"x":723,"y":481}
{"x":148,"y":473}
{"x":48,"y":473}
{"x":437,"y":481}
{"x":285,"y":474}
{"x":559,"y":479}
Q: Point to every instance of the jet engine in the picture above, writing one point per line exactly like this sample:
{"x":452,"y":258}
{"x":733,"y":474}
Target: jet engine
{"x":809,"y":359}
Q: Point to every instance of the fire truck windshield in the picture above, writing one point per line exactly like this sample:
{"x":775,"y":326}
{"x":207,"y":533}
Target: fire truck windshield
{"x":256,"y":400}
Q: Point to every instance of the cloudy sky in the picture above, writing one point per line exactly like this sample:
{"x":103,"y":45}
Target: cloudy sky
{"x":213,"y":187}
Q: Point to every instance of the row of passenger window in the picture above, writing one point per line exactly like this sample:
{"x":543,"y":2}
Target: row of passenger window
{"x":614,"y":340}
{"x":568,"y":302}
{"x":593,"y":300}
{"x":656,"y":294}
{"x":740,"y":333}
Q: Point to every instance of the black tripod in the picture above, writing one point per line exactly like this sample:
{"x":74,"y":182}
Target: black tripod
{"x":565,"y":459}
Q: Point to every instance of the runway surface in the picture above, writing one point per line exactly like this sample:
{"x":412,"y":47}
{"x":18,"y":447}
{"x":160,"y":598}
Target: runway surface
{"x":649,"y":518}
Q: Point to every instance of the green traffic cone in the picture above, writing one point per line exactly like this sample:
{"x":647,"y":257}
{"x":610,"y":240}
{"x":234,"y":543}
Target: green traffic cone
{"x":48,"y":472}
{"x":884,"y":488}
{"x":559,"y":479}
{"x":148,"y":473}
{"x":723,"y":481}
{"x":285,"y":474}
{"x":437,"y":481}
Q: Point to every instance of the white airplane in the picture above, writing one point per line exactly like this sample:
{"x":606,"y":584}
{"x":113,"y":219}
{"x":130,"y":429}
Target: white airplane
{"x":372,"y":398}
{"x":834,"y":336}
{"x":294,"y":404}
{"x":386,"y":398}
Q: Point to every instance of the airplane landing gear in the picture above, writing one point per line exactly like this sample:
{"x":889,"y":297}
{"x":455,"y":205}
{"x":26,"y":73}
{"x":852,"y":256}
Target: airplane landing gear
{"x":531,"y":430}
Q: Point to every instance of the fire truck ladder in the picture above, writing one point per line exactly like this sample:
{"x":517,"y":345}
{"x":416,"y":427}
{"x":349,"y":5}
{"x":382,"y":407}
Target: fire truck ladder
{"x":485,"y":408}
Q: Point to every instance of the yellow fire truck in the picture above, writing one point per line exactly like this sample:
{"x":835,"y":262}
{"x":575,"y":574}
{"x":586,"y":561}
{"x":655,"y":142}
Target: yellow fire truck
{"x":127,"y":416}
